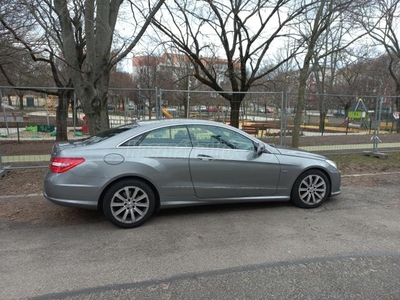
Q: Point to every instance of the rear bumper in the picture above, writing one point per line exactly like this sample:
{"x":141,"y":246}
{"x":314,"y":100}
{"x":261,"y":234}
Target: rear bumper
{"x":72,"y":203}
{"x":69,"y":190}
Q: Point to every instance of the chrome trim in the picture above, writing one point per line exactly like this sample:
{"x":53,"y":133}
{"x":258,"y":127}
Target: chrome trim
{"x":237,"y":130}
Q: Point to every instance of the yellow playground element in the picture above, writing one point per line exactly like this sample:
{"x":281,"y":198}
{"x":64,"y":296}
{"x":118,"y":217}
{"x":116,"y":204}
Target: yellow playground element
{"x":166,"y":113}
{"x":51,"y":103}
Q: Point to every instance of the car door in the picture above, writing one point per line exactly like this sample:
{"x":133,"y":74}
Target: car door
{"x":162,"y":157}
{"x":223,"y":164}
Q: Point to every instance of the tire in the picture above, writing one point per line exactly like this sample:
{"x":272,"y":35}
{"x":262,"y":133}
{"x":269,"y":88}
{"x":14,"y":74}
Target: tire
{"x":129,"y":203}
{"x":311,"y":189}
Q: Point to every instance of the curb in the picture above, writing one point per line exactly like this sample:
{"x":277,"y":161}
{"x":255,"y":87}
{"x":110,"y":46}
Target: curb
{"x":5,"y":197}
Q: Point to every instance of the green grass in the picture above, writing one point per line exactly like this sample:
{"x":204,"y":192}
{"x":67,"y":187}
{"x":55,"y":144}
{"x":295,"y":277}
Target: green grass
{"x":351,"y":163}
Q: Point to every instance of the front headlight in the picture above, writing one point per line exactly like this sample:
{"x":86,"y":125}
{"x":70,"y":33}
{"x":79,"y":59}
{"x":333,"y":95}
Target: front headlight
{"x":332,"y":163}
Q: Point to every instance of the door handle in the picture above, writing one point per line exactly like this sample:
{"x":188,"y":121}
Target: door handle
{"x":204,"y":157}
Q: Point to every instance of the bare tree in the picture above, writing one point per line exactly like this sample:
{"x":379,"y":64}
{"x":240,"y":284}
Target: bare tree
{"x":83,"y":33}
{"x":150,"y":72}
{"x":312,"y":29}
{"x":88,"y":30}
{"x":359,"y":74}
{"x":39,"y":56}
{"x":121,"y":91}
{"x":381,"y":20}
{"x":230,"y":41}
{"x":16,"y":67}
{"x":325,"y":67}
{"x":177,"y":73}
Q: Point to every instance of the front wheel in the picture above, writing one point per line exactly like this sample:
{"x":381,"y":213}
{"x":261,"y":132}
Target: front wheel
{"x":129,"y":203}
{"x":311,"y":189}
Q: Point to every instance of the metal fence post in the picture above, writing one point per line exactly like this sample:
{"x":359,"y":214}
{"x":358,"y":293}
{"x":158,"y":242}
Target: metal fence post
{"x":159,"y":97}
{"x":156,"y":106}
{"x":378,"y":123}
{"x":4,"y":112}
{"x":283,"y":119}
{"x":375,"y":138}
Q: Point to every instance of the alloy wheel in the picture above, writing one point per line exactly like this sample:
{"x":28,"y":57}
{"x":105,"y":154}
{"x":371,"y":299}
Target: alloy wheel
{"x":129,"y":204}
{"x":312,"y":189}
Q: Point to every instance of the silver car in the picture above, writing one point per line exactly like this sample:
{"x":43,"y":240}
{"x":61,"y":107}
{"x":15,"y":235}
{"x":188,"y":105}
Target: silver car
{"x":131,"y":171}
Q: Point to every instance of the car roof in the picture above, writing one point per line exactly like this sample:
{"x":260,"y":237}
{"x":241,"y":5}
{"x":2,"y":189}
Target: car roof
{"x":148,"y":124}
{"x":139,"y":127}
{"x":153,"y":124}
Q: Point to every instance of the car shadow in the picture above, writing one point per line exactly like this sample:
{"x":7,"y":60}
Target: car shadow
{"x":61,"y":216}
{"x":226,"y":208}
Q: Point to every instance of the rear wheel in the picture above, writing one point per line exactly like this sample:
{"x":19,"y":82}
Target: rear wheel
{"x":129,"y":203}
{"x":311,"y":189}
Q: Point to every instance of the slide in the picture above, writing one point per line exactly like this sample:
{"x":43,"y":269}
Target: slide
{"x":166,"y":113}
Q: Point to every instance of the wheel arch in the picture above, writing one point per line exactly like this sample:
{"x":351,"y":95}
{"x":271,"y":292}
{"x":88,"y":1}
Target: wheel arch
{"x":149,"y":183}
{"x":326,"y":173}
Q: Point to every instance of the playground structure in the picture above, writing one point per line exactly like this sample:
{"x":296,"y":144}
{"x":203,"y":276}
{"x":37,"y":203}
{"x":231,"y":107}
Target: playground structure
{"x":166,"y":113}
{"x":358,"y":115}
{"x":50,"y":104}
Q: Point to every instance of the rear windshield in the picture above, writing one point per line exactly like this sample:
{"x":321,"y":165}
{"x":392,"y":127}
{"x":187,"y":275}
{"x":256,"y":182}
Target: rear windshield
{"x":101,"y":136}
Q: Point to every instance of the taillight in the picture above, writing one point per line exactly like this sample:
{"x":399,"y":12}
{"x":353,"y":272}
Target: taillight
{"x":63,"y":164}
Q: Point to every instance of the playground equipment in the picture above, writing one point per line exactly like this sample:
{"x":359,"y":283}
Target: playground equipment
{"x":166,"y":113}
{"x":358,"y":115}
{"x":50,"y":104}
{"x":85,"y":126}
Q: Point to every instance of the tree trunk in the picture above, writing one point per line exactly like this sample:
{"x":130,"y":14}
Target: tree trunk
{"x":94,"y":100}
{"x":299,"y":107}
{"x":235,"y":110}
{"x":185,"y":102}
{"x":62,"y":116}
{"x":97,"y":115}
{"x":322,"y":112}
{"x":322,"y":118}
{"x":21,"y":101}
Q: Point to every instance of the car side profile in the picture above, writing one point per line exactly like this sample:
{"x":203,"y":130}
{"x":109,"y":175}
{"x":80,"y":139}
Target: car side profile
{"x":129,"y":172}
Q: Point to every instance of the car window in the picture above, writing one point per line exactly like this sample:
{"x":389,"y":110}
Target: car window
{"x":218,"y":137}
{"x":168,"y":136}
{"x":134,"y":141}
{"x":108,"y":133}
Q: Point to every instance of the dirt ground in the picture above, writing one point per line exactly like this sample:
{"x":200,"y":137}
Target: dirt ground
{"x":35,"y":210}
{"x":25,"y":147}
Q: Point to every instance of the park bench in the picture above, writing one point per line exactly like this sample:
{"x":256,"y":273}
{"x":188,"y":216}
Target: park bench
{"x":255,"y":129}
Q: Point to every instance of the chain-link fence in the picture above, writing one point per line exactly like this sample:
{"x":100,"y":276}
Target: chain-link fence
{"x":340,"y":123}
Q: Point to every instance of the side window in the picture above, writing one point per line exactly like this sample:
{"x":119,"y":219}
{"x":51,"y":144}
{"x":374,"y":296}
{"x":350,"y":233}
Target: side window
{"x":176,"y":136}
{"x":134,"y":141}
{"x":218,"y":137}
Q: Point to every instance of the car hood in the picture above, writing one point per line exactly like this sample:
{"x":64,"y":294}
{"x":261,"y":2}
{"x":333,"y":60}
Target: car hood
{"x":299,"y":153}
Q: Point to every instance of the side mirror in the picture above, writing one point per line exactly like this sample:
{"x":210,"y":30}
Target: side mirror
{"x":259,"y":148}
